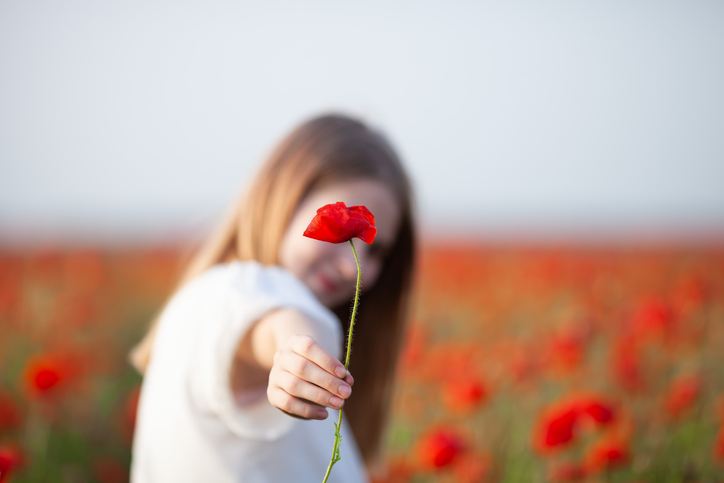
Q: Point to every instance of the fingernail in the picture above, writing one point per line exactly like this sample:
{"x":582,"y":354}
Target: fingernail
{"x":335,"y":402}
{"x":345,"y":390}
{"x":341,"y":372}
{"x":322,"y":414}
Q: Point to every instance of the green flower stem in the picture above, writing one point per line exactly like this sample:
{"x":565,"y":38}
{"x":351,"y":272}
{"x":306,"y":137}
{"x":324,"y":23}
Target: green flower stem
{"x":338,"y":424}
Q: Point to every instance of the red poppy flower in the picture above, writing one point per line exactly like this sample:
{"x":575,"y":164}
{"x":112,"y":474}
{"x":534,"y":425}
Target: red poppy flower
{"x":566,"y":351}
{"x":682,"y":394}
{"x":337,"y":223}
{"x":11,"y":458}
{"x":652,"y":316}
{"x":555,"y":428}
{"x":465,"y":395}
{"x":45,"y":374}
{"x":607,"y":454}
{"x":626,"y":364}
{"x":439,"y":448}
{"x":597,"y":410}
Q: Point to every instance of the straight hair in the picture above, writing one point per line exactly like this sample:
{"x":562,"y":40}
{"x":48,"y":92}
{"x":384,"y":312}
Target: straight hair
{"x":323,"y":151}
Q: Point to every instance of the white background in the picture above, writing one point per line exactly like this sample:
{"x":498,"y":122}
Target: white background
{"x":142,"y":120}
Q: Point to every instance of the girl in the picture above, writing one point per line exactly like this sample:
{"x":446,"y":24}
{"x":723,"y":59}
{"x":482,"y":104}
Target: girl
{"x":246,"y":355}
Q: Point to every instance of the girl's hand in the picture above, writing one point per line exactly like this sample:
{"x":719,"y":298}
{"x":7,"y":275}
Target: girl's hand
{"x":305,"y":378}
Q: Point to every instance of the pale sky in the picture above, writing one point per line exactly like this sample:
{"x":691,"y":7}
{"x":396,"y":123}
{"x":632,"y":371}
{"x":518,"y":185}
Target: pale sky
{"x":144,"y":119}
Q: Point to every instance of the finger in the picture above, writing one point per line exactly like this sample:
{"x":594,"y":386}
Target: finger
{"x":309,"y":371}
{"x":309,"y":392}
{"x":294,"y":406}
{"x":309,"y":348}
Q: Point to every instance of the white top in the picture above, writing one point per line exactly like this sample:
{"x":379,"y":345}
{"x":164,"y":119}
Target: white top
{"x":192,"y":428}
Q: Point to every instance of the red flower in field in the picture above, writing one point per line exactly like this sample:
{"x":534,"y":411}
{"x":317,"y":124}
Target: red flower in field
{"x":45,"y":374}
{"x":11,"y":458}
{"x":439,"y":448}
{"x":465,"y":395}
{"x":523,"y":362}
{"x":337,"y":223}
{"x":690,"y":294}
{"x":555,"y":427}
{"x":565,"y":472}
{"x":607,"y":454}
{"x":682,"y":394}
{"x":597,"y":410}
{"x":652,"y":316}
{"x":567,"y":348}
{"x":414,"y":347}
{"x":9,"y":413}
{"x":626,"y":364}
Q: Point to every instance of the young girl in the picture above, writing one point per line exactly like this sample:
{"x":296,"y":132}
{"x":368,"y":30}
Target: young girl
{"x":245,"y":358}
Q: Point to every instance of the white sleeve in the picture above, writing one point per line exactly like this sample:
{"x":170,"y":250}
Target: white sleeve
{"x":250,"y":292}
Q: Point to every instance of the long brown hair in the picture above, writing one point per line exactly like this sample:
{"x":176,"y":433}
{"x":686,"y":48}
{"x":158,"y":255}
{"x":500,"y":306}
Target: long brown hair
{"x":322,"y":151}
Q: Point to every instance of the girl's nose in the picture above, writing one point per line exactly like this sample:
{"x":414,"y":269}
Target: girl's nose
{"x":345,"y":262}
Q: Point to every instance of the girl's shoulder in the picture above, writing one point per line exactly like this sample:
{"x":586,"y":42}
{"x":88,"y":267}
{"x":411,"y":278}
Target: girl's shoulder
{"x":249,"y":276}
{"x":250,"y":283}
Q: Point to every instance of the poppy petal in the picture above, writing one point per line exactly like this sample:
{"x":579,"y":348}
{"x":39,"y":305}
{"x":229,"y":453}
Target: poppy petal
{"x":337,"y":223}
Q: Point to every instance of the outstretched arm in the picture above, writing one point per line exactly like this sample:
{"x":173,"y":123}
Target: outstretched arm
{"x":292,"y":354}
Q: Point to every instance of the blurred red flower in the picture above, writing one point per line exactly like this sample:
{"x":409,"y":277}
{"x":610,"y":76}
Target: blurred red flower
{"x":555,"y":427}
{"x":11,"y":459}
{"x":557,"y":424}
{"x":439,"y":448}
{"x":607,"y":454}
{"x":45,"y":374}
{"x":690,"y":294}
{"x":682,"y":394}
{"x":522,"y":361}
{"x":465,"y":395}
{"x":414,"y":346}
{"x":626,"y":364}
{"x":337,"y":223}
{"x":565,"y":472}
{"x":9,"y":413}
{"x":598,"y":410}
{"x":652,"y":316}
{"x":566,"y":350}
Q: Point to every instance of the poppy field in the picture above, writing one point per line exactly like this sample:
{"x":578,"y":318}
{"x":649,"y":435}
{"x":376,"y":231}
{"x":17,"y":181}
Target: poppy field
{"x":522,"y":363}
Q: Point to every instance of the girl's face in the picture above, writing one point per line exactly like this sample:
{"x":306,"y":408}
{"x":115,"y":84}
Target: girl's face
{"x":329,"y":269}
